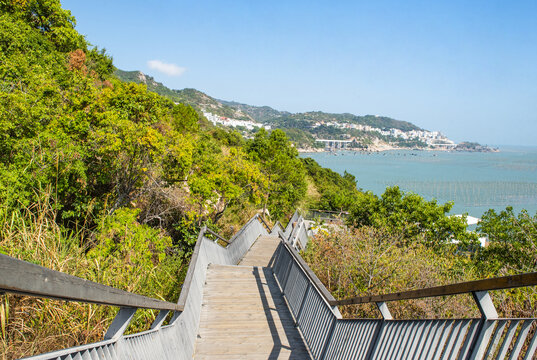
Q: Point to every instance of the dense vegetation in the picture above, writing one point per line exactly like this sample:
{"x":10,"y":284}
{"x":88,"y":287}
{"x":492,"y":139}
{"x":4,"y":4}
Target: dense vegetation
{"x":111,"y":182}
{"x":400,"y":241}
{"x":260,"y":114}
{"x":380,"y":122}
{"x":195,"y":98}
{"x":473,"y":146}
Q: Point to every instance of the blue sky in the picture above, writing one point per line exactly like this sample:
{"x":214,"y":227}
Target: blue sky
{"x":466,"y":68}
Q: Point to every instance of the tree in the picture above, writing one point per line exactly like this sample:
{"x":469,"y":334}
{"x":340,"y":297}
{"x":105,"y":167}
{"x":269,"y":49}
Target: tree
{"x":284,"y":170}
{"x":336,"y":192}
{"x":410,"y":215}
{"x":512,"y":242}
{"x":57,"y":24}
{"x":222,"y":176}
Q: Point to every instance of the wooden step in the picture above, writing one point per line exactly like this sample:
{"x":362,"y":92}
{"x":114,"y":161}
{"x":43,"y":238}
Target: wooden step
{"x":244,"y":315}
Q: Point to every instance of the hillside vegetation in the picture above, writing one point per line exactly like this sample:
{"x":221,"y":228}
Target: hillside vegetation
{"x":399,"y":241}
{"x":106,"y":180}
{"x":195,"y":98}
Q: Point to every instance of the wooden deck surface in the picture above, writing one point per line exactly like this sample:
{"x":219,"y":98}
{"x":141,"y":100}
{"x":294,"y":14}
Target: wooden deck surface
{"x":261,"y":252}
{"x":244,"y":315}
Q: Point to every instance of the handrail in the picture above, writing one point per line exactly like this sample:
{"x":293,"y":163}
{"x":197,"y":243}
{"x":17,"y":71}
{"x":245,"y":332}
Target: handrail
{"x":498,"y":283}
{"x":217,"y":235}
{"x":24,"y":278}
{"x":310,"y":274}
{"x":294,"y":217}
{"x":264,"y":223}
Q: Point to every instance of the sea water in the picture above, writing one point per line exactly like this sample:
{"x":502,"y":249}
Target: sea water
{"x":475,"y":182}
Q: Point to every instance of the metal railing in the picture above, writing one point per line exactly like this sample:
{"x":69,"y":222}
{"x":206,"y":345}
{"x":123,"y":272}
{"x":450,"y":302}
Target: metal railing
{"x":326,"y":333}
{"x":326,"y":215}
{"x":296,"y":232}
{"x":173,"y":341}
{"x":23,"y":278}
{"x":328,"y":336}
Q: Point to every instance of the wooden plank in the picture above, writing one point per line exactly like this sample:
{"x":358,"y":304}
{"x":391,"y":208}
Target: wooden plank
{"x":261,"y":252}
{"x":505,"y":282}
{"x":245,"y":316}
{"x":24,"y":278}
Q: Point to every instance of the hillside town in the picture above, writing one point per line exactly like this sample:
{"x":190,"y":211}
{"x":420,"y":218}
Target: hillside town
{"x":225,"y":121}
{"x":433,"y":139}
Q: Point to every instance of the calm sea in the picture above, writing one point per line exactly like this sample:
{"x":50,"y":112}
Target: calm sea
{"x":476,"y":182}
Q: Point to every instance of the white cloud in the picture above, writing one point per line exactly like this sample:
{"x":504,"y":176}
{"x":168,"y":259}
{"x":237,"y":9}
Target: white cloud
{"x":168,"y":69}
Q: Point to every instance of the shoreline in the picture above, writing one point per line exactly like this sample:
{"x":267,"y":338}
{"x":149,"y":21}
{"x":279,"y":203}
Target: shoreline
{"x":376,"y":149}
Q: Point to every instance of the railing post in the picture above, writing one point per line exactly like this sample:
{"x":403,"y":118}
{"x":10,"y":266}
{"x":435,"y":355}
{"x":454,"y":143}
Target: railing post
{"x":386,"y":315}
{"x":175,"y":316}
{"x":486,"y":324}
{"x":120,"y":323}
{"x":159,"y":320}
{"x":485,"y":305}
{"x":287,"y":273}
{"x":384,"y":311}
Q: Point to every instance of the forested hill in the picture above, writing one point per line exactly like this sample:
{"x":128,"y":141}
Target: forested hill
{"x":261,"y":114}
{"x":195,"y":98}
{"x":381,"y":122}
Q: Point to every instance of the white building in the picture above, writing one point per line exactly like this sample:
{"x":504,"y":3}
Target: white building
{"x":222,"y":120}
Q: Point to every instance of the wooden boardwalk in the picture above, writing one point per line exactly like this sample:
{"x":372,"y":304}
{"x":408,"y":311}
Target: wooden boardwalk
{"x":244,"y":315}
{"x":261,"y":252}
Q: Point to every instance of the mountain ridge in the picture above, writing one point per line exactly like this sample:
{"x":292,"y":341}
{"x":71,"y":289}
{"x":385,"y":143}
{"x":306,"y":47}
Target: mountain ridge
{"x":261,"y":114}
{"x":306,"y":129}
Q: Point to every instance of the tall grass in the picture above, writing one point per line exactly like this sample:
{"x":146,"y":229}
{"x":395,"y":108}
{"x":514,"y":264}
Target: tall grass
{"x":29,"y":326}
{"x":370,"y":261}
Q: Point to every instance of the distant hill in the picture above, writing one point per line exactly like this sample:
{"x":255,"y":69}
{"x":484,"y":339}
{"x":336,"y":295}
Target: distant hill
{"x":302,"y":128}
{"x":285,"y":119}
{"x":195,"y":98}
{"x":474,"y":147}
{"x":381,"y":122}
{"x":261,"y":114}
{"x":141,"y":78}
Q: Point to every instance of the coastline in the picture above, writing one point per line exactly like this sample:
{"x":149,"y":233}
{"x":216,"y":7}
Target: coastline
{"x":375,"y":147}
{"x":387,"y":147}
{"x":369,"y":149}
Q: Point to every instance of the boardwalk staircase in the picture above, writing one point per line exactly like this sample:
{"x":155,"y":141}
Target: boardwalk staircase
{"x":253,"y":297}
